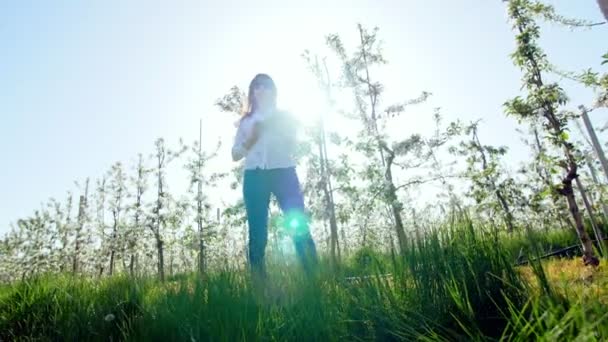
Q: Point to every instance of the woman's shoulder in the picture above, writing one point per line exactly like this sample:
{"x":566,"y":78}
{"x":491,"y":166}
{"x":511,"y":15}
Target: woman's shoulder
{"x":242,"y":120}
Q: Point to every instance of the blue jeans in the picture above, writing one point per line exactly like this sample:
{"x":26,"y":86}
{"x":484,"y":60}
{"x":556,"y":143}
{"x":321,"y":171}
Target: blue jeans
{"x":258,"y":185}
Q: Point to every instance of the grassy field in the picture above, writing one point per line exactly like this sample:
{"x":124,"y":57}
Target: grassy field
{"x":459,"y":283}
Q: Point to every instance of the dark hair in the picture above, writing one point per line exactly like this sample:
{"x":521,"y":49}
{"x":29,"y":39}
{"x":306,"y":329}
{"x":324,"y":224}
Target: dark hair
{"x":251,"y":104}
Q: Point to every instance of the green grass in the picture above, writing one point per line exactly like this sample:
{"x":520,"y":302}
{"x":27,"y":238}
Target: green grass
{"x":459,"y":283}
{"x":572,"y":305}
{"x":518,"y":243}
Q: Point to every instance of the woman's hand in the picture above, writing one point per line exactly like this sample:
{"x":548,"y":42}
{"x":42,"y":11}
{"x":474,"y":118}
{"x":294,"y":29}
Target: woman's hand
{"x":255,"y":134}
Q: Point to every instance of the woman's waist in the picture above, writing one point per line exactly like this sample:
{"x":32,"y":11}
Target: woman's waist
{"x":269,"y":161}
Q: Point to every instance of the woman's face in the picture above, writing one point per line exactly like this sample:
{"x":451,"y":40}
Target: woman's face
{"x":263,"y":93}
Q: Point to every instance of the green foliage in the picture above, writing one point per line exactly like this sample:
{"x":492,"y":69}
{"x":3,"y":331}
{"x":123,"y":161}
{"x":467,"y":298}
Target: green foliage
{"x":455,"y":282}
{"x":448,"y":286}
{"x":548,"y":12}
{"x":519,"y":245}
{"x":546,"y":319}
{"x":490,"y":187}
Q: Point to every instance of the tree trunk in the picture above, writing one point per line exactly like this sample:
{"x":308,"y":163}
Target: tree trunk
{"x":364,"y":234}
{"x":201,"y":257}
{"x":132,"y":265}
{"x":416,"y":226}
{"x":77,"y":237}
{"x":161,"y":260}
{"x":123,"y":260}
{"x":113,"y":246}
{"x":111,"y":269}
{"x":345,"y":247}
{"x":65,"y":252}
{"x":393,"y":254}
{"x":160,"y":220}
{"x":199,"y":205}
{"x":171,"y":262}
{"x":598,"y":233}
{"x":137,"y":227}
{"x":201,"y":240}
{"x":327,"y":235}
{"x":544,"y":175}
{"x":333,"y":223}
{"x":395,"y":206}
{"x":501,"y":199}
{"x":81,"y":218}
{"x":507,"y":211}
{"x":589,"y":257}
{"x":493,"y":223}
{"x":330,"y":207}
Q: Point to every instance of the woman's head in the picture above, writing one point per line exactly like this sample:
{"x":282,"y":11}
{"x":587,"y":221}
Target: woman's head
{"x":262,"y":94}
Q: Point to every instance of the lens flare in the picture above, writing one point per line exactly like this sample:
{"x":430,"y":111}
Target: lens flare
{"x":296,"y":223}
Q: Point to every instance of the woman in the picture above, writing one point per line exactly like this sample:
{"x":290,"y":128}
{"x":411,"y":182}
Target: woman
{"x":266,"y":139}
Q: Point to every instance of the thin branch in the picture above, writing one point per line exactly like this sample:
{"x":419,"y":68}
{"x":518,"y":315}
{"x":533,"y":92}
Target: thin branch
{"x":340,"y":188}
{"x":414,"y":182}
{"x":428,"y":180}
{"x":415,"y":166}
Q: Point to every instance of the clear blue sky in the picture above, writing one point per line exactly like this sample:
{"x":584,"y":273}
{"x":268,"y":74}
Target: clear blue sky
{"x":86,"y":83}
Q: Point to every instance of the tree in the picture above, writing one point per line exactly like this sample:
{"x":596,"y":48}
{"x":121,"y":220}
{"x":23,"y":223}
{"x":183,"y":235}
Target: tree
{"x":177,"y":214}
{"x":157,"y":221}
{"x":325,"y":171}
{"x":118,"y":192}
{"x":484,"y":171}
{"x":542,"y":200}
{"x":373,"y":142}
{"x":136,"y":229}
{"x":195,"y":167}
{"x":102,"y":250}
{"x":81,"y":221}
{"x":233,"y":216}
{"x":34,"y":248}
{"x":64,"y":230}
{"x":544,"y":100}
{"x":433,"y":144}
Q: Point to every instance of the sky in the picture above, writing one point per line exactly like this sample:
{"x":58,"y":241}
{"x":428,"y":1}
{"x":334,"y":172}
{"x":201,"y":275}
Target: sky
{"x":85,"y":84}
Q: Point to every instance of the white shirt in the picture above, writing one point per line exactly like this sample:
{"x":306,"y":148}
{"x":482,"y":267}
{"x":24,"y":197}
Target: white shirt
{"x":276,"y":142}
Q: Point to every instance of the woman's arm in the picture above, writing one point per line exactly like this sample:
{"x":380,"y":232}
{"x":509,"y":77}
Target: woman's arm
{"x":244,"y":141}
{"x":238,"y":147}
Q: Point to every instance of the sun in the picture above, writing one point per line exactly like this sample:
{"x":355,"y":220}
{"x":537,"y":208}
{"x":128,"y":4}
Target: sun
{"x":302,"y":97}
{"x":304,"y":100}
